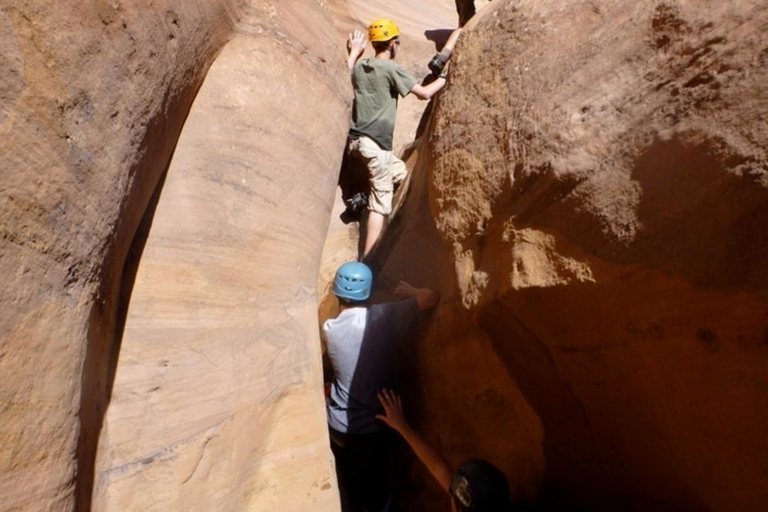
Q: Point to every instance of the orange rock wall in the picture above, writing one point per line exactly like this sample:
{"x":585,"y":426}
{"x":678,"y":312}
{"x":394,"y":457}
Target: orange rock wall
{"x":592,"y":202}
{"x":590,"y":198}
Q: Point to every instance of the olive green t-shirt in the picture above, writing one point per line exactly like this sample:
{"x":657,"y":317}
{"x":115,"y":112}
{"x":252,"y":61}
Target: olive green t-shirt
{"x":377,"y":83}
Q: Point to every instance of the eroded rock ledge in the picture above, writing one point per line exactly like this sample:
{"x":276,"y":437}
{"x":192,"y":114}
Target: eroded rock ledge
{"x":593,"y":201}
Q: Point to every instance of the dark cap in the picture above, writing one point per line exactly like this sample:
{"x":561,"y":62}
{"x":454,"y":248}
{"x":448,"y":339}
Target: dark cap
{"x":479,"y":486}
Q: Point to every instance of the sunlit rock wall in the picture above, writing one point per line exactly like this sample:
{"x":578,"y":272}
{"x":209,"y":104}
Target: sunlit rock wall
{"x":216,"y":376}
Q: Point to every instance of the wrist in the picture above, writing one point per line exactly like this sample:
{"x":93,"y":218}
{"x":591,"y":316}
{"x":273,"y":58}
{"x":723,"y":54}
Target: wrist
{"x":405,"y":430}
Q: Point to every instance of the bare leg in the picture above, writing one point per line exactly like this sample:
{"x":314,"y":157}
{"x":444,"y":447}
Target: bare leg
{"x":373,"y":229}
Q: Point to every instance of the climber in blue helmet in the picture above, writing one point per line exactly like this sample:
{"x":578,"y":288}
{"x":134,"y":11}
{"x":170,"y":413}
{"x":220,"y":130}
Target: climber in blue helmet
{"x":476,"y":486}
{"x":361,"y":344}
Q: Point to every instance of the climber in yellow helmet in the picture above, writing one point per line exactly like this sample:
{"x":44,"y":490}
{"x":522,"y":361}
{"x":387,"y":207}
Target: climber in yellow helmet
{"x":378,"y":84}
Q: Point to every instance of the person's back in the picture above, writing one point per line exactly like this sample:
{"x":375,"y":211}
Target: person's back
{"x":361,"y":344}
{"x":378,"y":83}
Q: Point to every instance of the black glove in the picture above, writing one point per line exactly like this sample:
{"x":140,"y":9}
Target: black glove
{"x":437,"y":64}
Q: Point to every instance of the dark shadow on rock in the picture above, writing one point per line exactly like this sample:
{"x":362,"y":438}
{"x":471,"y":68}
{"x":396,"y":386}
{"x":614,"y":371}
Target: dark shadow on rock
{"x":100,"y":365}
{"x":424,"y":121}
{"x":703,"y":212}
{"x":118,"y":272}
{"x":353,"y":177}
{"x":584,"y":469}
{"x":438,"y":36}
{"x":116,"y":278}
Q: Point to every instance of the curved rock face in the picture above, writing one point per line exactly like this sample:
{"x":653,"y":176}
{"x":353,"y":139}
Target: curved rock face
{"x":591,"y":199}
{"x":217,"y":402}
{"x":596,"y":187}
{"x":199,"y":394}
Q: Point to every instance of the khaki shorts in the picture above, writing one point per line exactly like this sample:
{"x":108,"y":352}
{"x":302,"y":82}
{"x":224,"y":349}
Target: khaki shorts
{"x":384,"y":170}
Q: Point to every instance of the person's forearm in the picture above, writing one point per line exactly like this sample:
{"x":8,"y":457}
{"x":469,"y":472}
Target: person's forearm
{"x":452,"y":39}
{"x":352,"y":59}
{"x":425,"y":92}
{"x":435,"y":463}
{"x":425,"y":298}
{"x":435,"y":86}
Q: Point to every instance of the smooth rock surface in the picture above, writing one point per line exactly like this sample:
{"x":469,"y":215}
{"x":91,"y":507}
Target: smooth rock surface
{"x":204,"y":391}
{"x":219,"y":350}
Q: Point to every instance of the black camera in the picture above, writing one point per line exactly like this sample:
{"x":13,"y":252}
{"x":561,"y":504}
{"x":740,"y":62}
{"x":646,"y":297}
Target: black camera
{"x":357,"y":203}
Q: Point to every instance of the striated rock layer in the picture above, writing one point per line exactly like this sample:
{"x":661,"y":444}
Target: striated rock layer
{"x":593,"y":203}
{"x":203,"y":392}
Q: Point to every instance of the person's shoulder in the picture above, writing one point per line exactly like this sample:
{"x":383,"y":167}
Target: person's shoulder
{"x":328,"y":325}
{"x":397,"y":305}
{"x":358,"y":66}
{"x":385,"y":64}
{"x":397,"y":317}
{"x":396,"y":66}
{"x":339,"y":318}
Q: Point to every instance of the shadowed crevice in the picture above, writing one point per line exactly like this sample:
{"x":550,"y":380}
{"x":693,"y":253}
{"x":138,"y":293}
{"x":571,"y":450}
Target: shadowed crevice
{"x":107,"y":317}
{"x":101,"y":364}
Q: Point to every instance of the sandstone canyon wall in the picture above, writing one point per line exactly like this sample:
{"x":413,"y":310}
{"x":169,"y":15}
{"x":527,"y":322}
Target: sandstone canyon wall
{"x":203,"y":391}
{"x":592,"y":201}
{"x":590,"y":196}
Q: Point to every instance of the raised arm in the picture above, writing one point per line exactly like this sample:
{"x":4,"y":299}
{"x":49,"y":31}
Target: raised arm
{"x":437,"y":66}
{"x":426,"y":298}
{"x":431,"y":458}
{"x":355,"y":47}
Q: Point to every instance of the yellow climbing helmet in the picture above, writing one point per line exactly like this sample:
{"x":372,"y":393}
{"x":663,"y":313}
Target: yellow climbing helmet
{"x":382,"y":30}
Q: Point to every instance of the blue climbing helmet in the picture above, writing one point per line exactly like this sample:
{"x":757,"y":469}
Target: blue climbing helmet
{"x":353,"y":281}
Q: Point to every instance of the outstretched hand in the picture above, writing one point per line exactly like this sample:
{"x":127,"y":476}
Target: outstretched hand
{"x":394,"y":417}
{"x":393,"y":409}
{"x":356,"y":43}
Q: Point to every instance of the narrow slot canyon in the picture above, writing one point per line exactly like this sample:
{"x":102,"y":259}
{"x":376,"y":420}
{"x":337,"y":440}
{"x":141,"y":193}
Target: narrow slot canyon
{"x":589,"y":194}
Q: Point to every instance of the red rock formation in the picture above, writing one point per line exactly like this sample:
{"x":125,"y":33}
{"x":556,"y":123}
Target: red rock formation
{"x":594,"y":200}
{"x":209,"y":392}
{"x":591,"y":197}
